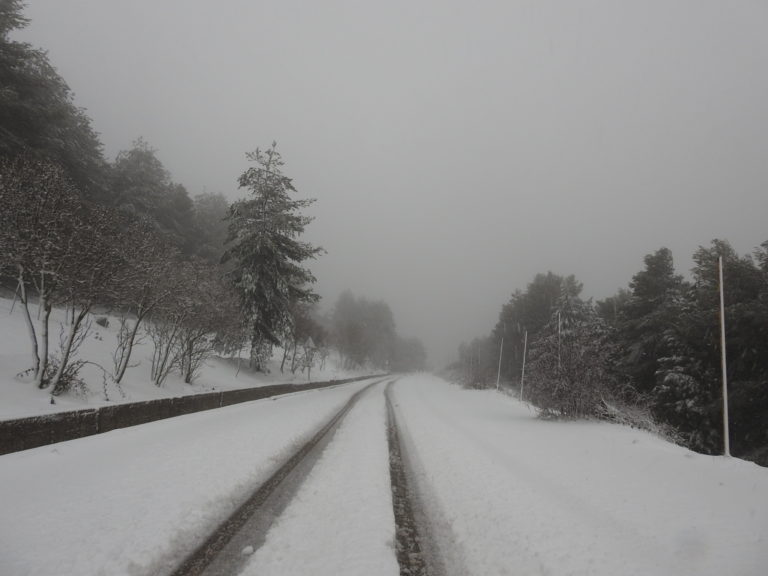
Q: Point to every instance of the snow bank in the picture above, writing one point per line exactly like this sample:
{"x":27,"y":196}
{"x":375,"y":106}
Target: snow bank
{"x":512,"y":494}
{"x":19,"y":397}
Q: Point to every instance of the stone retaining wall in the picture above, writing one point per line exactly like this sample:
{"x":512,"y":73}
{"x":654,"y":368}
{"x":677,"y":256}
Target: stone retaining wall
{"x":34,"y":431}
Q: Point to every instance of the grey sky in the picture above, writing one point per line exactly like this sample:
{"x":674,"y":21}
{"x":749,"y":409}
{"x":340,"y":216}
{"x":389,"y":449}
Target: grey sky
{"x":455,"y":148}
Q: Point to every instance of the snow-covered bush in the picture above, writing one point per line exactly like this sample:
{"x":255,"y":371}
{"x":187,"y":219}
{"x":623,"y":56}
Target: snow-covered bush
{"x":570,"y":372}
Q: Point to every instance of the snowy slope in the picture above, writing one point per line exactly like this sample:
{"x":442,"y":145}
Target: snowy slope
{"x":512,"y":494}
{"x":18,"y":397}
{"x":136,"y":500}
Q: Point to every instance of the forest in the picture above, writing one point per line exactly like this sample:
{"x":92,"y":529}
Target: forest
{"x":195,"y":275}
{"x":649,"y":356}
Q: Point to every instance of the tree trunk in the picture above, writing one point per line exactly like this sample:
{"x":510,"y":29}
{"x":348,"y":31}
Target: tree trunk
{"x":128,"y":350}
{"x":285,"y":355}
{"x":43,"y":358}
{"x":187,"y":364}
{"x":293,"y":360}
{"x":30,"y":326}
{"x":162,"y":367}
{"x":74,"y":327}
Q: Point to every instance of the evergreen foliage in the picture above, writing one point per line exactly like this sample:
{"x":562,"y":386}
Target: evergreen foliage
{"x":209,"y":213}
{"x":142,"y":186}
{"x":264,"y":253}
{"x":571,"y":363}
{"x":652,"y":350}
{"x":37,"y":111}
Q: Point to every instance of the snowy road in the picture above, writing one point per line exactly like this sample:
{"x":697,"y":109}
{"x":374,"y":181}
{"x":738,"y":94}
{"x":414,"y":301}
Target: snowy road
{"x":138,"y":500}
{"x":500,"y":492}
{"x":511,"y":494}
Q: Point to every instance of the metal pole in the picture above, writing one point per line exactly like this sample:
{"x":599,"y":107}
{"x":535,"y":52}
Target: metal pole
{"x":726,"y":439}
{"x":498,"y":374}
{"x":522,"y":374}
{"x":558,"y":341}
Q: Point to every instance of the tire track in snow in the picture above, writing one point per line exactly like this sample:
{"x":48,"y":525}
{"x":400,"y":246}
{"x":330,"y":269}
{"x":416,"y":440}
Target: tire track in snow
{"x":413,"y":551}
{"x":222,"y":552}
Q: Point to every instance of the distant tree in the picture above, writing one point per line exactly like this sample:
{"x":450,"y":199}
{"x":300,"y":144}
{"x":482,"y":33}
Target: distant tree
{"x":348,"y":330}
{"x":410,"y":355}
{"x":142,"y":186}
{"x":379,"y":333}
{"x":476,"y":363}
{"x":530,"y":312}
{"x":209,"y":214}
{"x":612,"y":307}
{"x":364,"y":331}
{"x":37,"y":112}
{"x":264,"y":253}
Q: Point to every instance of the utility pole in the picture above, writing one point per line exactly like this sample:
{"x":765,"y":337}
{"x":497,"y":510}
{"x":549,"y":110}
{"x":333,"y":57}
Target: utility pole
{"x":501,"y":353}
{"x":558,"y":341}
{"x":726,"y":438}
{"x":522,"y":374}
{"x":498,"y":374}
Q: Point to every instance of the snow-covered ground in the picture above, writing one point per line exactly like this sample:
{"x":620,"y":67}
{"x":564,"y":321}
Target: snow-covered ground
{"x":341,"y":521}
{"x":19,"y":397}
{"x":505,"y":492}
{"x":137,"y":500}
{"x":512,"y":494}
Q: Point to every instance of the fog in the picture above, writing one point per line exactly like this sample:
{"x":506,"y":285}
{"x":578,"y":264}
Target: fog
{"x":455,"y":148}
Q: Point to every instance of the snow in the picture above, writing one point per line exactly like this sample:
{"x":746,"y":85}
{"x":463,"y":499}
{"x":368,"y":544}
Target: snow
{"x":137,"y":500}
{"x":512,"y":494}
{"x":19,"y":397}
{"x":504,"y":492}
{"x":341,"y":521}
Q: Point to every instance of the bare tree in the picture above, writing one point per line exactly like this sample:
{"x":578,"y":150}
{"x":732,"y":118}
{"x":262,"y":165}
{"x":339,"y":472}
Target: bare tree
{"x":166,"y":323}
{"x":40,"y":219}
{"x":89,"y":275}
{"x":141,"y":286}
{"x":213,"y":311}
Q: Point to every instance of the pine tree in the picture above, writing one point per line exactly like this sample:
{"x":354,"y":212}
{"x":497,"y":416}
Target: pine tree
{"x":265,"y":252}
{"x":653,"y":303}
{"x":37,"y":110}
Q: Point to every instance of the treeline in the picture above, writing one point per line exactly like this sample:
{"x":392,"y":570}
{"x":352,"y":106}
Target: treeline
{"x":39,"y":120}
{"x":193,"y":276}
{"x":59,"y":250}
{"x":78,"y":232}
{"x":365,"y":335}
{"x":649,"y":354}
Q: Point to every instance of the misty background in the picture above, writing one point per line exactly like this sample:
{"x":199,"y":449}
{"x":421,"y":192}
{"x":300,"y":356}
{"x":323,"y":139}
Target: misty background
{"x":455,"y":150}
